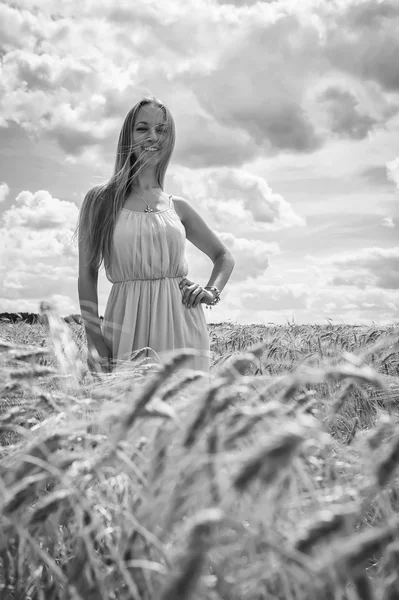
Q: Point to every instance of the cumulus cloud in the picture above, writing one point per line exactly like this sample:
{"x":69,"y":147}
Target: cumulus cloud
{"x":4,"y":191}
{"x":73,"y":75}
{"x":39,"y":211}
{"x":251,"y":256}
{"x":203,"y":142}
{"x":45,"y":71}
{"x":55,"y":87}
{"x":377,"y":267}
{"x":259,"y":84}
{"x":232,"y":196}
{"x":32,"y":245}
{"x":345,"y":117}
{"x":279,"y":60}
{"x":349,"y":45}
{"x":18,"y":25}
{"x":37,"y":252}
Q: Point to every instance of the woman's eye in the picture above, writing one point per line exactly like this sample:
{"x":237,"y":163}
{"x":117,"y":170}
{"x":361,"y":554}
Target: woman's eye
{"x":159,"y":130}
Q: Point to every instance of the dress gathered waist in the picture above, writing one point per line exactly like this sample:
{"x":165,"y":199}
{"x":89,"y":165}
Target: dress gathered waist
{"x":148,"y":279}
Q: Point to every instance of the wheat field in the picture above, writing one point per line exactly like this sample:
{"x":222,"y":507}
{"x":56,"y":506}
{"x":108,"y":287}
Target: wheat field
{"x":274,"y":479}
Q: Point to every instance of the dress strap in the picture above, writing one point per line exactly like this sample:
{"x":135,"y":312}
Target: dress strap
{"x":170,"y":198}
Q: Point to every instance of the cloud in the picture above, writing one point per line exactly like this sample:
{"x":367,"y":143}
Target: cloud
{"x":268,"y":79}
{"x":240,"y":3}
{"x":61,"y":303}
{"x":356,"y":305}
{"x":345,"y":117}
{"x":362,"y":40}
{"x":233,"y":196}
{"x":18,"y":26}
{"x":370,"y":267}
{"x":37,"y":252}
{"x":393,"y":171}
{"x":4,"y":191}
{"x":203,"y":142}
{"x":242,"y":79}
{"x":369,"y":14}
{"x":39,"y":211}
{"x":258,"y":296}
{"x":31,"y":279}
{"x":376,"y":175}
{"x":46,"y":72}
{"x":388,"y":222}
{"x":79,"y":96}
{"x":29,"y":244}
{"x":353,"y":278}
{"x":55,"y":85}
{"x":308,"y":304}
{"x":56,"y":96}
{"x":251,"y":256}
{"x":259,"y":83}
{"x":76,"y":128}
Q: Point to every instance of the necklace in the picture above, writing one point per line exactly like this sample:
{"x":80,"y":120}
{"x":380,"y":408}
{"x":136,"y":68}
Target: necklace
{"x":149,"y":209}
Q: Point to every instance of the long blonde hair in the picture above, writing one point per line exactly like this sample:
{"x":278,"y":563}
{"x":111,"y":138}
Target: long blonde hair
{"x":102,"y":204}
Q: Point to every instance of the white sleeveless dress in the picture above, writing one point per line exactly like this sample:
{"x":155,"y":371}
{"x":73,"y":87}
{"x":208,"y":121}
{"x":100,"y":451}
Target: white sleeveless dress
{"x":145,"y":305}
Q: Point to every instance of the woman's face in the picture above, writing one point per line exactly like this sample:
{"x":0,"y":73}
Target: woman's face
{"x":150,"y":133}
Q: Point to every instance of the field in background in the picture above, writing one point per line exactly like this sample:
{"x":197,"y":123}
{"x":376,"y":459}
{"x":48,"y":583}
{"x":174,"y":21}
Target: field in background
{"x":275,"y":480}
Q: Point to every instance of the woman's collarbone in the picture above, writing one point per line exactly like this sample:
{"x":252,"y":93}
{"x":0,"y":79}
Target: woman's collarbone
{"x":135,"y":203}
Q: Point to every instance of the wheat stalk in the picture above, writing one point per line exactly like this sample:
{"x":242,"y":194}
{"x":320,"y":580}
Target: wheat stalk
{"x":182,"y":582}
{"x":269,"y":460}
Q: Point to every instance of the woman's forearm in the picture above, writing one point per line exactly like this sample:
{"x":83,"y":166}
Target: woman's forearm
{"x":222,"y":269}
{"x":88,"y":300}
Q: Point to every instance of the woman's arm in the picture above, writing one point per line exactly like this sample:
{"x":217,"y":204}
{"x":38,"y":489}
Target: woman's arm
{"x":88,"y":300}
{"x":223,"y":266}
{"x":205,"y":239}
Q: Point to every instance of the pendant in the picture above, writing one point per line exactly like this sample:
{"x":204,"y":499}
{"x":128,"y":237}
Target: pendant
{"x":148,"y":209}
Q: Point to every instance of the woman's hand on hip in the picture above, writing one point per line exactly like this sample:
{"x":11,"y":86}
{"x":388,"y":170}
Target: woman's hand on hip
{"x":193,"y":294}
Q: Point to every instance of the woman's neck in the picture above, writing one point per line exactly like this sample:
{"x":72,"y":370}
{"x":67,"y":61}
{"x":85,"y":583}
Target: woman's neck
{"x":146,"y":188}
{"x":145,"y":181}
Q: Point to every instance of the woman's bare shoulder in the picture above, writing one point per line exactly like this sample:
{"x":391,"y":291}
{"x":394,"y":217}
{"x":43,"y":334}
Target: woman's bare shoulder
{"x":179,"y":204}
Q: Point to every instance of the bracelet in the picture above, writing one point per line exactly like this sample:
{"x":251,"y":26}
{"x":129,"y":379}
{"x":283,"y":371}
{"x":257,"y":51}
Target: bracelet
{"x":212,"y":288}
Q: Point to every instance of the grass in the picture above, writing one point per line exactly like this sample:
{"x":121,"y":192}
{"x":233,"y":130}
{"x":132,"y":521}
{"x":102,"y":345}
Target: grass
{"x":276,"y":479}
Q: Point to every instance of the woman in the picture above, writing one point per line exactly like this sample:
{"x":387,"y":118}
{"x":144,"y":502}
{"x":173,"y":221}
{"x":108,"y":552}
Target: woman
{"x":138,"y":231}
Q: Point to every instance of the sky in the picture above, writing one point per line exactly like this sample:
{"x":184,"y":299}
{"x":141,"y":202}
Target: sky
{"x":287,"y":144}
